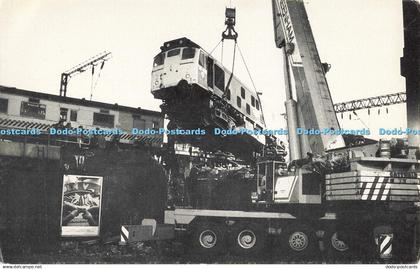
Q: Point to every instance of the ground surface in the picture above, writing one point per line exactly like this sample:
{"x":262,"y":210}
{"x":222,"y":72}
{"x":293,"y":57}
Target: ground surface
{"x":166,"y":253}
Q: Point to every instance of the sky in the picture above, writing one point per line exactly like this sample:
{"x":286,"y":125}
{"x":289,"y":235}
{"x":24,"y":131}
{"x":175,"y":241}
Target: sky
{"x":361,"y":39}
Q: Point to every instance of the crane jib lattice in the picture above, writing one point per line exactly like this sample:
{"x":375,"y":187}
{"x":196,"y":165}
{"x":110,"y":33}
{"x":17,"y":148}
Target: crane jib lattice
{"x":378,"y":101}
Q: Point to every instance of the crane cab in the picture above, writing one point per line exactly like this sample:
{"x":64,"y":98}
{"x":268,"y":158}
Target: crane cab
{"x":275,"y":185}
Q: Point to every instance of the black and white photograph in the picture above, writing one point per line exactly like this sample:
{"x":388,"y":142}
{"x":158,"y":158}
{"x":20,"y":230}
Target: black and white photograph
{"x":214,"y":132}
{"x":81,"y":206}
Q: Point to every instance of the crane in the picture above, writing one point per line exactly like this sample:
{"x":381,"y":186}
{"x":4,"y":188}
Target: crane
{"x":340,"y":191}
{"x":366,"y":103}
{"x":313,"y":107}
{"x":80,"y":68}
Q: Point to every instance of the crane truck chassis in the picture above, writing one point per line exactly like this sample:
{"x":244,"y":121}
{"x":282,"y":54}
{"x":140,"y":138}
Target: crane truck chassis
{"x":366,"y":229}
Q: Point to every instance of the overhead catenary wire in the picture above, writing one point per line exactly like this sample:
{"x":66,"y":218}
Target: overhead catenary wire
{"x":358,"y":118}
{"x":91,"y":82}
{"x":97,"y":79}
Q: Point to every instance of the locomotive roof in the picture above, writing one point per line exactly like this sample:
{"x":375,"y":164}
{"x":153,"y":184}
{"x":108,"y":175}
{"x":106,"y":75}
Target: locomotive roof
{"x":177,"y":43}
{"x":76,"y":101}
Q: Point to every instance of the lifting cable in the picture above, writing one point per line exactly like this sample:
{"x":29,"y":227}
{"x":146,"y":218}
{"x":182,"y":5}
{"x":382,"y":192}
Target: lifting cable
{"x":230,"y":33}
{"x":233,"y":68}
{"x":252,"y":81}
{"x":211,"y":52}
{"x":247,"y":69}
{"x":223,"y":45}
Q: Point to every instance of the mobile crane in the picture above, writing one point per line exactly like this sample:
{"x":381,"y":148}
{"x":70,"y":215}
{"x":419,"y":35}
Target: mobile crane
{"x":339,"y":192}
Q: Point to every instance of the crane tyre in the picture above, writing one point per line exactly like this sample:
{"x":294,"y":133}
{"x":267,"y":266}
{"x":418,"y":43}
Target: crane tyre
{"x":247,"y":239}
{"x":336,"y":246}
{"x":207,"y":238}
{"x":299,"y":240}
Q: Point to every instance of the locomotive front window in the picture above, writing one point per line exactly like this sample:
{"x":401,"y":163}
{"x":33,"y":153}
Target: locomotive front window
{"x":188,"y":53}
{"x":159,"y":59}
{"x":228,"y":94}
{"x":202,"y":60}
{"x":174,"y":52}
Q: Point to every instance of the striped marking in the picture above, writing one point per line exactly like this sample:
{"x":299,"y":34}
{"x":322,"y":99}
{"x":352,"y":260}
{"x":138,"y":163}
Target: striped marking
{"x":124,"y":234}
{"x":376,"y":189}
{"x":8,"y":123}
{"x":126,"y":138}
{"x":372,"y":190}
{"x":381,"y":195}
{"x":371,"y":179}
{"x":385,"y":245}
{"x":366,"y":191}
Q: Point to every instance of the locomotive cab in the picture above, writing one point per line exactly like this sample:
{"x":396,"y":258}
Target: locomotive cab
{"x":176,"y":62}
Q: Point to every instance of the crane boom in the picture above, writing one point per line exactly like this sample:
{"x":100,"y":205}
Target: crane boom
{"x":377,"y":101}
{"x":314,"y":103}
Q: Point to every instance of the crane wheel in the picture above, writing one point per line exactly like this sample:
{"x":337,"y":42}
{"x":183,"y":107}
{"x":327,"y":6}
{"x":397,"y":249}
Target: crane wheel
{"x":207,"y":238}
{"x":247,"y":239}
{"x":337,"y":247}
{"x":336,"y":244}
{"x":300,"y":240}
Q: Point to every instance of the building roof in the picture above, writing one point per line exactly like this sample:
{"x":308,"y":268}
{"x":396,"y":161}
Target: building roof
{"x":76,"y":101}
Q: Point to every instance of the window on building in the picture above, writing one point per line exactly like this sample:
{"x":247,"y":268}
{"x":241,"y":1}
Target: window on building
{"x":238,"y":101}
{"x":219,"y":78}
{"x":248,"y":109}
{"x":155,"y":125}
{"x":174,"y":52}
{"x":103,"y":120}
{"x":188,"y":53}
{"x":4,"y":105}
{"x":33,"y":110}
{"x":242,"y":92}
{"x":63,"y":113}
{"x":257,"y":104}
{"x":159,"y":59}
{"x":73,"y":115}
{"x":252,"y":101}
{"x":139,"y":123}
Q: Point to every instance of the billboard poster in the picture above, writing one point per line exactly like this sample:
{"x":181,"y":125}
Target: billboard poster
{"x":81,"y":205}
